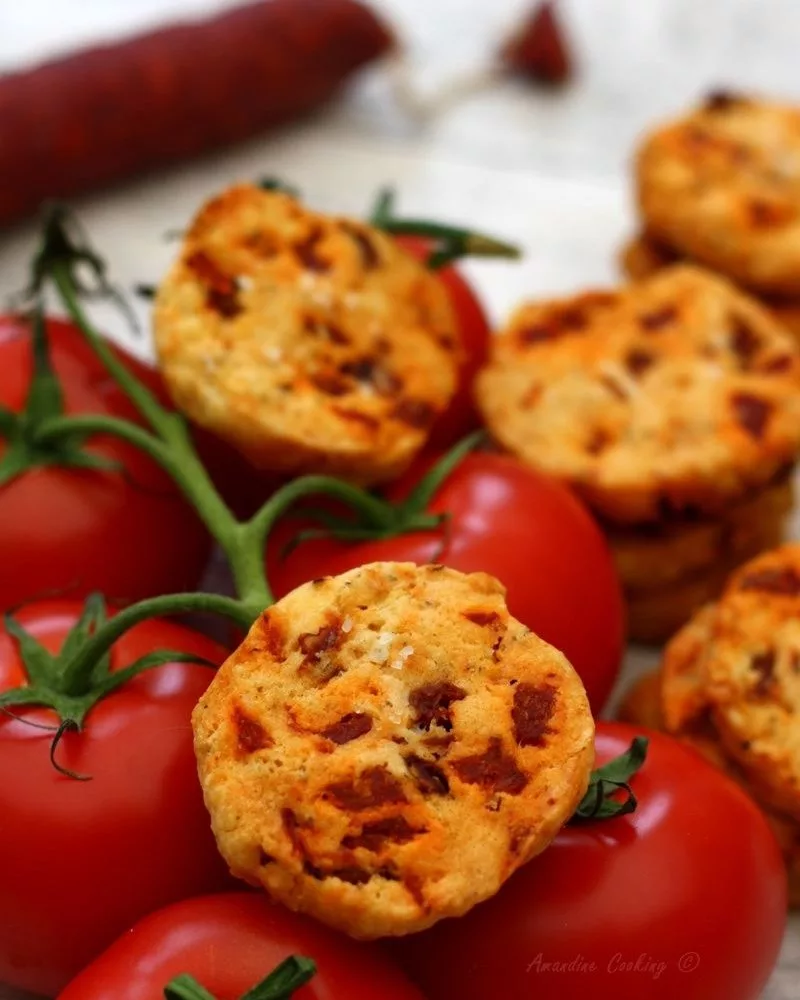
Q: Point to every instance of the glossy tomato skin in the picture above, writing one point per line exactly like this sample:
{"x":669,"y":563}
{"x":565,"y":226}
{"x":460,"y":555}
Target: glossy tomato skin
{"x":68,"y":532}
{"x":684,"y":900}
{"x":461,"y":416}
{"x":525,"y":529}
{"x":229,"y":943}
{"x":83,"y":860}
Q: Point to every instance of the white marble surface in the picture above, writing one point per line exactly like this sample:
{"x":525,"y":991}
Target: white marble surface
{"x":547,"y":170}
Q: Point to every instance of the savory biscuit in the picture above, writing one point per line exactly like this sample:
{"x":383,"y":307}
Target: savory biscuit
{"x":787,"y":833}
{"x":641,"y":705}
{"x":644,"y":256}
{"x":655,"y":615}
{"x":722,"y":187}
{"x":687,"y":714}
{"x":684,"y":704}
{"x":752,"y":674}
{"x":312,"y":344}
{"x":386,"y":747}
{"x":654,"y":558}
{"x":670,"y":397}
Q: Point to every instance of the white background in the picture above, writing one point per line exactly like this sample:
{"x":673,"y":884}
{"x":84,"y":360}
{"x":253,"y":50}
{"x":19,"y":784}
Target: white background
{"x":549,"y":170}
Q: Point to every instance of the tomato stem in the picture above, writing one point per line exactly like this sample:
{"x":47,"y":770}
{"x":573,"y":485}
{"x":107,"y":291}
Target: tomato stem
{"x":72,"y":681}
{"x":281,"y":984}
{"x":79,"y":670}
{"x":45,"y":402}
{"x":453,"y":242}
{"x":427,"y":488}
{"x":392,"y":520}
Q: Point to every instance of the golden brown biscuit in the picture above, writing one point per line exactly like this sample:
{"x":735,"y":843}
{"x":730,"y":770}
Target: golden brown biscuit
{"x":641,"y":705}
{"x":786,"y":312}
{"x":662,"y":555}
{"x":366,"y":722}
{"x":655,"y":615}
{"x":687,"y":715}
{"x":722,"y":186}
{"x":684,"y":703}
{"x":670,"y":397}
{"x":643,"y":257}
{"x":752,"y":674}
{"x":312,"y":344}
{"x":787,"y":833}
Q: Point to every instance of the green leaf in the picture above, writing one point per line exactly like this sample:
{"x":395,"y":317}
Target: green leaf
{"x":624,"y":767}
{"x":451,"y":242}
{"x":186,"y":987}
{"x":9,"y":422}
{"x":276,"y":184}
{"x":287,"y":978}
{"x":281,"y":984}
{"x":91,"y":618}
{"x":430,"y":484}
{"x":601,"y":800}
{"x":383,"y":208}
{"x":156,"y":659}
{"x":14,"y":462}
{"x":23,"y":696}
{"x":45,"y":397}
{"x":64,"y":245}
{"x":39,"y":664}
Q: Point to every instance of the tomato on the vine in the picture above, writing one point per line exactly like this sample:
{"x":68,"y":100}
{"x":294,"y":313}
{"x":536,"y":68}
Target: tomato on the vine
{"x":684,"y":898}
{"x":460,"y":417}
{"x":84,"y":859}
{"x":525,"y":529}
{"x":228,"y":943}
{"x":67,"y":531}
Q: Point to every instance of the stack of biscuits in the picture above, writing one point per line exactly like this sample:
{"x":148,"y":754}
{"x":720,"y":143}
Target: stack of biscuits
{"x":730,"y":686}
{"x":721,"y":188}
{"x":672,"y":407}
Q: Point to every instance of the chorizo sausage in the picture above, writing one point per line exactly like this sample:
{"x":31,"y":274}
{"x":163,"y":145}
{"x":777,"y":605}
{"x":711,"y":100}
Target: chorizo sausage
{"x":91,"y":118}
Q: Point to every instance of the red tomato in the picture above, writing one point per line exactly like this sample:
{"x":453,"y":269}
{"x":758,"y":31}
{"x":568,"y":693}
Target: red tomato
{"x":84,"y":859}
{"x":461,"y":415}
{"x":229,"y":943}
{"x":70,"y":531}
{"x":525,"y":529}
{"x":683,"y":900}
{"x":243,"y":487}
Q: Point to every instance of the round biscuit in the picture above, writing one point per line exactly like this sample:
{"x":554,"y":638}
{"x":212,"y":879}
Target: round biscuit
{"x":386,"y":747}
{"x":643,"y":256}
{"x":651,"y":559}
{"x":641,"y":705}
{"x":666,"y":399}
{"x":684,"y":704}
{"x":722,"y":186}
{"x":752,"y":674}
{"x":312,"y":344}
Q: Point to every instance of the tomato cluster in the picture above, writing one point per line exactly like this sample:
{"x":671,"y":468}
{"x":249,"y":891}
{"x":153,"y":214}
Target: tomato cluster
{"x":103,"y":823}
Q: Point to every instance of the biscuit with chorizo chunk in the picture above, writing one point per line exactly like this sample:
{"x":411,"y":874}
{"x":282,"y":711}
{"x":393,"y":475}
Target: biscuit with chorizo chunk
{"x":721,"y":186}
{"x":311,"y":343}
{"x":387,"y":746}
{"x":643,"y":256}
{"x":663,"y":400}
{"x":752,"y":674}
